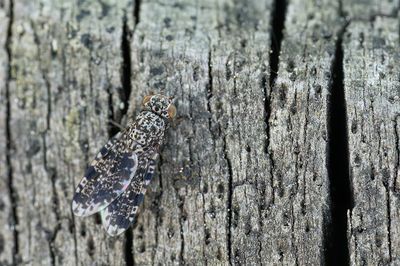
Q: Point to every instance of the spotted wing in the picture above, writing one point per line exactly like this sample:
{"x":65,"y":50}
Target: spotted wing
{"x":120,"y":214}
{"x":106,"y":178}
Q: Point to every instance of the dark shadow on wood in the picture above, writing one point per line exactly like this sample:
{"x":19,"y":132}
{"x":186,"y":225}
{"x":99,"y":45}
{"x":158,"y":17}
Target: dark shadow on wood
{"x":337,"y":252}
{"x":129,"y":260}
{"x":126,"y":67}
{"x":13,"y":198}
{"x":277,"y":26}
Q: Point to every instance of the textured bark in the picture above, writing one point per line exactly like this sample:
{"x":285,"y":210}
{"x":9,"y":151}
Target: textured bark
{"x":285,"y":149}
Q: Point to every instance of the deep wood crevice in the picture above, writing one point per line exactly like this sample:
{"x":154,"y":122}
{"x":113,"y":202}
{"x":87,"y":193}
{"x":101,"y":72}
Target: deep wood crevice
{"x":136,"y":11}
{"x":276,"y":34}
{"x":125,"y":96}
{"x":126,"y":80}
{"x":336,"y":242}
{"x":8,"y":138}
{"x":126,"y":67}
{"x":129,"y":259}
{"x":209,"y":95}
{"x":209,"y":92}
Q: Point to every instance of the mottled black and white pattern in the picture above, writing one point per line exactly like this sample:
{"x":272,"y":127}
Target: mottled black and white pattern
{"x":116,"y":180}
{"x":120,"y":214}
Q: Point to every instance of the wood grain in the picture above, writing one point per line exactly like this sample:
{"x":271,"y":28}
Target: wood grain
{"x":250,"y":172}
{"x":371,"y":53}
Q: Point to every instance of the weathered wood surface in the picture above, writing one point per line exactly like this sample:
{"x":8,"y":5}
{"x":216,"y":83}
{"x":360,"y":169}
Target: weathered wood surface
{"x":371,"y":57}
{"x":249,"y":173}
{"x":65,"y":64}
{"x":372,"y":90}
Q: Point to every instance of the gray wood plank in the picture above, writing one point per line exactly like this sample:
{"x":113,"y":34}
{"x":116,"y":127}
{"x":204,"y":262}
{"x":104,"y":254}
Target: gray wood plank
{"x":245,"y":176}
{"x":298,"y":218}
{"x":371,"y":56}
{"x":270,"y":218}
{"x":240,"y":71}
{"x":195,"y":56}
{"x":180,"y":223}
{"x":66,"y":66}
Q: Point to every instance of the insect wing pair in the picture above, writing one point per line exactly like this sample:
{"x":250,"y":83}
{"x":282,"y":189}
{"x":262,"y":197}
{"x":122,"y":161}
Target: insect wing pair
{"x":116,"y":180}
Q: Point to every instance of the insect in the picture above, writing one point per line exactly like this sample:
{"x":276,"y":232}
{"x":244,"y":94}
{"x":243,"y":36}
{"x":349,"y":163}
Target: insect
{"x":115,"y":182}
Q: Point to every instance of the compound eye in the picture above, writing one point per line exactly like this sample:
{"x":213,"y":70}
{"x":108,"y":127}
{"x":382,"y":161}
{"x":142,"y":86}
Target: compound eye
{"x":146,"y":99}
{"x":171,"y":111}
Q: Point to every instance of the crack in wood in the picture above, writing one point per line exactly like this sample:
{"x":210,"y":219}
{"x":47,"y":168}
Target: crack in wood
{"x":229,"y":201}
{"x":112,"y":129}
{"x":11,"y":188}
{"x":209,"y":92}
{"x":209,"y":95}
{"x":397,"y":144}
{"x":388,"y":213}
{"x":182,"y":247}
{"x":124,"y":96}
{"x":136,"y":11}
{"x":276,"y":34}
{"x":116,"y":115}
{"x":126,"y":80}
{"x":129,"y":259}
{"x":337,"y":249}
{"x":126,"y":66}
